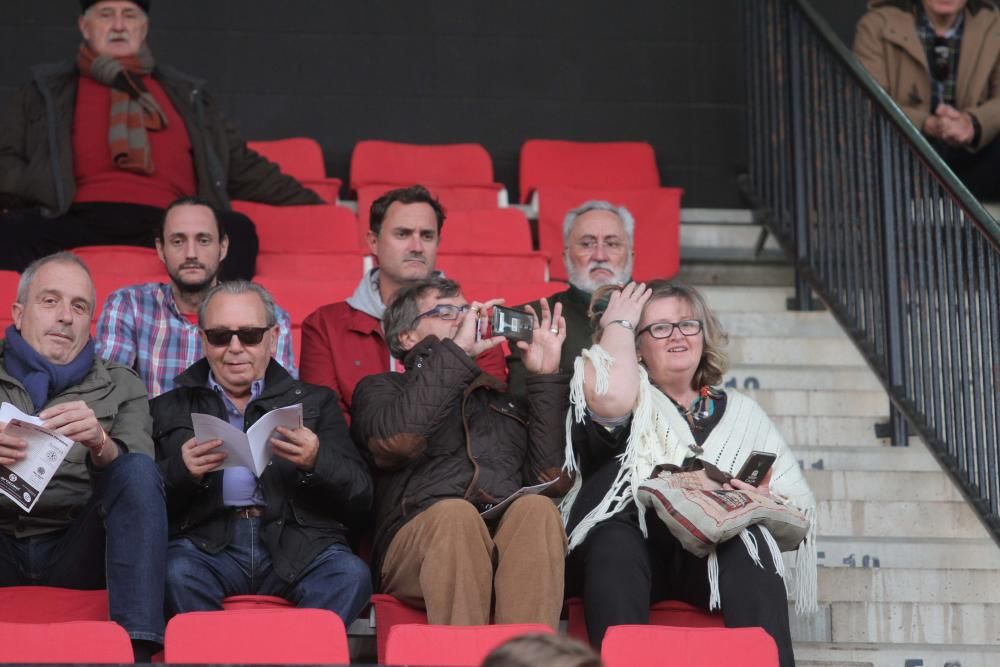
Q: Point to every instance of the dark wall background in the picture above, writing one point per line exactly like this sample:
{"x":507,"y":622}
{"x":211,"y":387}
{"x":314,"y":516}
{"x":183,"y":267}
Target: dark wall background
{"x":490,"y":71}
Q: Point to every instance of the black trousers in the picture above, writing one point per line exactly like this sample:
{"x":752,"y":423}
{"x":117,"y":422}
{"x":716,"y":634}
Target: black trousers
{"x":28,"y":235}
{"x":979,"y":171}
{"x":619,"y":574}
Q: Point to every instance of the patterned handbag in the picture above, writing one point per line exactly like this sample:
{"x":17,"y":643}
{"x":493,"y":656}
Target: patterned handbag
{"x":700,"y":513}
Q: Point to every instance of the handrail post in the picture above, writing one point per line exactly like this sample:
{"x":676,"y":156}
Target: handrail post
{"x":803,"y":299}
{"x":889,"y":175}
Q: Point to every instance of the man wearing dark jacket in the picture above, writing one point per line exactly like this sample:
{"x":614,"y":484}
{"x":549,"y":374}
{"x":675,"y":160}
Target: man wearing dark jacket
{"x":92,"y":151}
{"x":283,"y":533}
{"x":448,"y":442}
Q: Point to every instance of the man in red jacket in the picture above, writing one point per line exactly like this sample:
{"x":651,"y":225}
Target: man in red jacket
{"x":344,"y":342}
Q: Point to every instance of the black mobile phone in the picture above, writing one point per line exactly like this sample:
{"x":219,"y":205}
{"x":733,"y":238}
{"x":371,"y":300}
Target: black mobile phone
{"x":512,"y":324}
{"x":755,"y":469}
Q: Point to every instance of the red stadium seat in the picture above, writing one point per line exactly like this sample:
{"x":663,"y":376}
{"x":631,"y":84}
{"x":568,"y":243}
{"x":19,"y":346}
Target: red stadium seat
{"x":243,"y":602}
{"x":72,"y":642}
{"x":661,"y":646}
{"x":486,"y":231}
{"x":618,"y":165}
{"x":339,"y":266}
{"x":257,"y":636}
{"x":453,"y":198}
{"x":302,"y":229}
{"x":390,"y":612}
{"x":449,"y":645}
{"x":120,"y":260}
{"x":657,"y":213}
{"x":302,"y":159}
{"x":301,"y":296}
{"x":666,"y":612}
{"x":50,"y":604}
{"x":389,"y":162}
{"x":8,"y":294}
{"x":525,"y":267}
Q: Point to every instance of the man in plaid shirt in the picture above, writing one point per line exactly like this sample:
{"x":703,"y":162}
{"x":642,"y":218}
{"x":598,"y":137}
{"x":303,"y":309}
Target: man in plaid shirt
{"x":154,"y":327}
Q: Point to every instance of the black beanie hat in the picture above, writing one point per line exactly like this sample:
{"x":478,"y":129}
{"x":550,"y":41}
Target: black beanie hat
{"x":87,"y":4}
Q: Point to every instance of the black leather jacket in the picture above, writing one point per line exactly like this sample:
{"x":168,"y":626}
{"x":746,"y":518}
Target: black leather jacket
{"x":305,"y":512}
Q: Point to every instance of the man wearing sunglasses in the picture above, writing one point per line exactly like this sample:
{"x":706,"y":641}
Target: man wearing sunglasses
{"x":283,"y":533}
{"x":940,"y":61}
{"x":345,"y":341}
{"x":449,"y":442}
{"x":597,"y":236}
{"x":153,"y":327}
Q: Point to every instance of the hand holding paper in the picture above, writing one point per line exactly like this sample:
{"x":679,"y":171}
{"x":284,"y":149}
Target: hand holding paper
{"x":202,"y":457}
{"x":300,"y":446}
{"x":252,"y":449}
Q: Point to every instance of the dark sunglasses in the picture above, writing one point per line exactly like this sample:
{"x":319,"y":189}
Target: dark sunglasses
{"x":247,"y":335}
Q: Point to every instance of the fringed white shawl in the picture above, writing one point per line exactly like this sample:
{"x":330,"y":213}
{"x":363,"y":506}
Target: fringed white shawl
{"x":659,"y":434}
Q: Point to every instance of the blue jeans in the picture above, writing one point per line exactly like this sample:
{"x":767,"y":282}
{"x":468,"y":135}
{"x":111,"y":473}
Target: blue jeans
{"x":119,"y":541}
{"x":198,"y":581}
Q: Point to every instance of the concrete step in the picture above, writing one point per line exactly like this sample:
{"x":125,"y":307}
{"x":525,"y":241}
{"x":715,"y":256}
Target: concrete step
{"x":898,"y":623}
{"x":808,"y":654}
{"x":701,"y":272}
{"x":709,"y":235}
{"x":912,"y":519}
{"x":813,"y":431}
{"x":906,"y":552}
{"x":872,"y":459}
{"x":742,"y":299}
{"x":812,"y":352}
{"x":789,"y":324}
{"x":795,"y":377}
{"x":800,"y":402}
{"x":889,"y":486}
{"x":894,"y":585}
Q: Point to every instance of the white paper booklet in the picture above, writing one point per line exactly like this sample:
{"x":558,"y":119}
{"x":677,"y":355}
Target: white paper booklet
{"x":251,"y":449}
{"x":497,"y":510}
{"x":24,"y":481}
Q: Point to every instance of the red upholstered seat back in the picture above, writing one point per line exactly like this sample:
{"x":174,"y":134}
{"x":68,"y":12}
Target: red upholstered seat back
{"x":72,"y":642}
{"x":657,"y":645}
{"x":451,"y":646}
{"x":390,"y":162}
{"x":610,"y":165}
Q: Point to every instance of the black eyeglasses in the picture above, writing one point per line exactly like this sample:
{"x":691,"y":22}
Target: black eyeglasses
{"x":247,"y":335}
{"x":664,"y":329}
{"x":444,"y":311}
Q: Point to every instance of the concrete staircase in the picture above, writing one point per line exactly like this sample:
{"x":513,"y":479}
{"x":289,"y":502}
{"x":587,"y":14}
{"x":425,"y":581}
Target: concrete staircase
{"x":908,"y":575}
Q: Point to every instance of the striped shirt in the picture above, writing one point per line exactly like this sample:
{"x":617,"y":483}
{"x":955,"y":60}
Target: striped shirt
{"x":140,"y":326}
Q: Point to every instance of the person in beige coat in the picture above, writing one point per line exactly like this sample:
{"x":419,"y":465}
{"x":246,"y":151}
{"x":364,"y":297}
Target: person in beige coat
{"x":940,"y":61}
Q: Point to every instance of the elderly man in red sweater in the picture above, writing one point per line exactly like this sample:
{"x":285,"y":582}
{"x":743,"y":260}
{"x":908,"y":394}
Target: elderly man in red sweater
{"x":92,"y":151}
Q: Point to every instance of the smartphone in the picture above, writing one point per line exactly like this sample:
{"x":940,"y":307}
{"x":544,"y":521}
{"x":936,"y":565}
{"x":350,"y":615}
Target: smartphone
{"x":756,"y":467}
{"x":512,"y":324}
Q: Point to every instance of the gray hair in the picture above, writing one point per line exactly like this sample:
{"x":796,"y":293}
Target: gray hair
{"x":401,"y":315}
{"x":241,"y":287}
{"x":64,"y":257}
{"x":599,"y":205}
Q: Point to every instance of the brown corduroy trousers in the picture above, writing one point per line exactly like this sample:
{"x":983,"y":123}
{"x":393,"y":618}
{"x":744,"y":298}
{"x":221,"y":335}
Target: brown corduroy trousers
{"x":448,"y":560}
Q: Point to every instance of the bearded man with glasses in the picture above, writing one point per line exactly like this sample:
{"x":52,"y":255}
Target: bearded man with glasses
{"x":283,"y":533}
{"x":940,"y":61}
{"x":448,"y":442}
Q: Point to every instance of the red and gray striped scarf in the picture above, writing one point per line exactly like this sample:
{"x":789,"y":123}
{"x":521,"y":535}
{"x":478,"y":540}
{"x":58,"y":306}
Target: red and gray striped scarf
{"x":133,"y":108}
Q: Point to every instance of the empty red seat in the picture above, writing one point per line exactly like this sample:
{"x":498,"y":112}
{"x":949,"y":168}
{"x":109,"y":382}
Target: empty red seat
{"x":120,"y":260}
{"x":450,"y":645}
{"x":302,"y":229}
{"x":390,"y":612}
{"x":8,"y":295}
{"x":661,"y":646}
{"x":72,"y":642}
{"x":302,"y":159}
{"x":665,"y":612}
{"x":657,"y":213}
{"x":301,"y":296}
{"x":257,"y":636}
{"x":51,"y":604}
{"x":615,"y":165}
{"x":389,"y":162}
{"x":526,"y":267}
{"x":486,"y":231}
{"x":312,"y":266}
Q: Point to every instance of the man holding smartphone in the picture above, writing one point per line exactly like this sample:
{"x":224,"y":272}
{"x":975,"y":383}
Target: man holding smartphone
{"x":448,"y":443}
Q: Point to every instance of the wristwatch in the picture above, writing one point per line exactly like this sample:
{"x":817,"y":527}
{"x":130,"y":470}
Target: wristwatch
{"x":625,"y":323}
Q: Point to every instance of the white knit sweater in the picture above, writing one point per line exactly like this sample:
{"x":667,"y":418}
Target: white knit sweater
{"x":659,"y":434}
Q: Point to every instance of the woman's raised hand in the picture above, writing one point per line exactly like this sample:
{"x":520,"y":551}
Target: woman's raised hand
{"x":626,"y":305}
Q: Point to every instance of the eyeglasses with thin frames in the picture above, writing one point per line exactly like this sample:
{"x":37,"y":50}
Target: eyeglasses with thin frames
{"x":443,"y":311}
{"x":665,"y":329}
{"x":612,"y":246}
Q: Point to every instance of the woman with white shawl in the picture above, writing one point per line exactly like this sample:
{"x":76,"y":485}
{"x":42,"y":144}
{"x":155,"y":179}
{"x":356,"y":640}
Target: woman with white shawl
{"x":648,"y":394}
